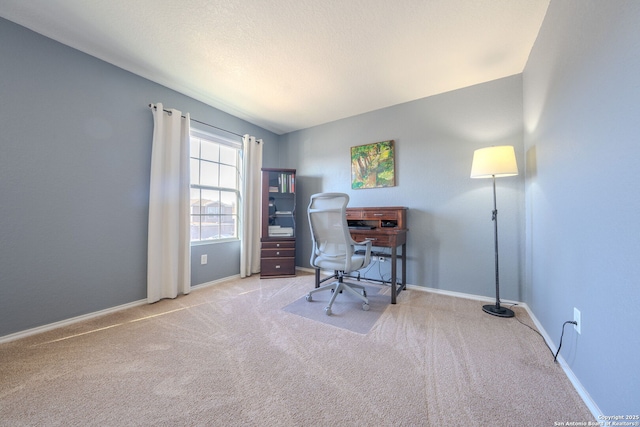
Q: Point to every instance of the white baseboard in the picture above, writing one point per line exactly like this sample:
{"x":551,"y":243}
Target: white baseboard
{"x":586,"y":398}
{"x":82,"y":318}
{"x":582,"y":392}
{"x":215,"y":282}
{"x":459,"y":294}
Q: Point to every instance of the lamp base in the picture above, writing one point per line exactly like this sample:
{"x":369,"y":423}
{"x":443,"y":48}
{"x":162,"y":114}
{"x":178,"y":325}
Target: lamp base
{"x":497,"y":311}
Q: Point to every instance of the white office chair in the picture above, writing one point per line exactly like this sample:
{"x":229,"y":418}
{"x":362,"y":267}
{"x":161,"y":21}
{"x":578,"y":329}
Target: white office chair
{"x":333,"y":247}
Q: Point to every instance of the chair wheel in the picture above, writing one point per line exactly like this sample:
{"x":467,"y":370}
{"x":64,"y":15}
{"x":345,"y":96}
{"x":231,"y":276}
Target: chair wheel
{"x":327,"y":311}
{"x":365,"y":306}
{"x":309,"y":297}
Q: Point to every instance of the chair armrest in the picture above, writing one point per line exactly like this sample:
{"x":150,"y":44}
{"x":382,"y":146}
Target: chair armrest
{"x":367,"y":250}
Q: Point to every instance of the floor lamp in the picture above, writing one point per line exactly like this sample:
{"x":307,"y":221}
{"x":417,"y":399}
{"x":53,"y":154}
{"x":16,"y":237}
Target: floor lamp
{"x":495,"y":162}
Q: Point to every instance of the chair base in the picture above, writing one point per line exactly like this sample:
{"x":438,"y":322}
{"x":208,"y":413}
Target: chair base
{"x":337,"y":287}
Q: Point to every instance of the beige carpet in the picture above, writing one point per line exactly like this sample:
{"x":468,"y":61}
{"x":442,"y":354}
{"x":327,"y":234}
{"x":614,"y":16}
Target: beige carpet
{"x":229,"y":355}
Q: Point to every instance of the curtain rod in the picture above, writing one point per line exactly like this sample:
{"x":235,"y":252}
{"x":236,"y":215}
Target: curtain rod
{"x":202,"y":123}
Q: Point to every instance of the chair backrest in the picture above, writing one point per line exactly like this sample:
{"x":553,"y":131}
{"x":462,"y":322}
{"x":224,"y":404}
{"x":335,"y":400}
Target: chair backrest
{"x":332,"y":241}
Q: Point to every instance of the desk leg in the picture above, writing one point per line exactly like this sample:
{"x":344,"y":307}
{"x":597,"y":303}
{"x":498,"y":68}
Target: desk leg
{"x":394,"y":256}
{"x":404,"y":266}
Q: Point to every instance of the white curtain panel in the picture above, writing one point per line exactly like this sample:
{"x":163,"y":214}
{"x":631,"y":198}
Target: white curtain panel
{"x":251,"y":206}
{"x":169,"y":246}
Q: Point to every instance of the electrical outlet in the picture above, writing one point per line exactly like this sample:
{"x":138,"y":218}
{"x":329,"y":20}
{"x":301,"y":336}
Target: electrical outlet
{"x":203,"y":259}
{"x":577,"y":319}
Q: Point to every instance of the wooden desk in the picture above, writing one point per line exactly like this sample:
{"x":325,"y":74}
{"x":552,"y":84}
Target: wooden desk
{"x":390,"y":231}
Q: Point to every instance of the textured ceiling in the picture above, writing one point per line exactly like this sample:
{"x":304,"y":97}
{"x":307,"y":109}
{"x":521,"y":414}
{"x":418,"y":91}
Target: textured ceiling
{"x":291,"y":64}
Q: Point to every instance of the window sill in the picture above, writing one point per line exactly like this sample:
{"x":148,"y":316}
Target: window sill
{"x":213,"y":242}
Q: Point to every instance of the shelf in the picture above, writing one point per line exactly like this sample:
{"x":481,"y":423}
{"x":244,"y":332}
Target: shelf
{"x":277,"y":258}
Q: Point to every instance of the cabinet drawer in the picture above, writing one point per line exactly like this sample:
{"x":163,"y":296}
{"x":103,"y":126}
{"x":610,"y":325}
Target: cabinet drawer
{"x":279,"y":245}
{"x":377,"y":240}
{"x":383,"y":215}
{"x":354,"y":214}
{"x":278,"y":253}
{"x":277,"y":267}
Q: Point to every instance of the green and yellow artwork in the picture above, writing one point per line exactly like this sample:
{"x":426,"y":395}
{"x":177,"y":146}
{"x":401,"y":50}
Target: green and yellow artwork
{"x":373,"y":165}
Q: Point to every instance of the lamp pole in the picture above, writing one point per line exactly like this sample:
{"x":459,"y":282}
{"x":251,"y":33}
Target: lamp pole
{"x":496,"y":310}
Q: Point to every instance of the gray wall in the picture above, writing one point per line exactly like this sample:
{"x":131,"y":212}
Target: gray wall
{"x":582,"y":138}
{"x":450,"y":244}
{"x":75,"y":152}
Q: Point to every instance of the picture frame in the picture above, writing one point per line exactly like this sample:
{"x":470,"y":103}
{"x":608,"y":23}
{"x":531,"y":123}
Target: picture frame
{"x":373,"y":165}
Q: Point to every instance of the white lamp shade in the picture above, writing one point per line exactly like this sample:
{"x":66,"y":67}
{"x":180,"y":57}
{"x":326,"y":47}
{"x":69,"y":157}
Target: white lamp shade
{"x":494,"y":161}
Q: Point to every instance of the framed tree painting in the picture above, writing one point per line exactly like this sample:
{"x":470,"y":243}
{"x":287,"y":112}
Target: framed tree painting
{"x":373,"y":165}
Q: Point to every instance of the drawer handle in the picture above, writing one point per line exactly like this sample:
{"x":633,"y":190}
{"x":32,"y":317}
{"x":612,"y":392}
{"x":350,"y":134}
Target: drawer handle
{"x":277,"y":266}
{"x":278,"y":253}
{"x":277,"y":245}
{"x":377,"y":214}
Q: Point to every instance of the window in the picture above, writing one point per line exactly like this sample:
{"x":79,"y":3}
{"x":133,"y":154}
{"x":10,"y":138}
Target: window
{"x":215,"y":178}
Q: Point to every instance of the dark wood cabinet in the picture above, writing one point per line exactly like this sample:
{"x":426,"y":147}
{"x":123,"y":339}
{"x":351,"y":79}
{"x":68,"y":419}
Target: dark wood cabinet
{"x":278,"y":234}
